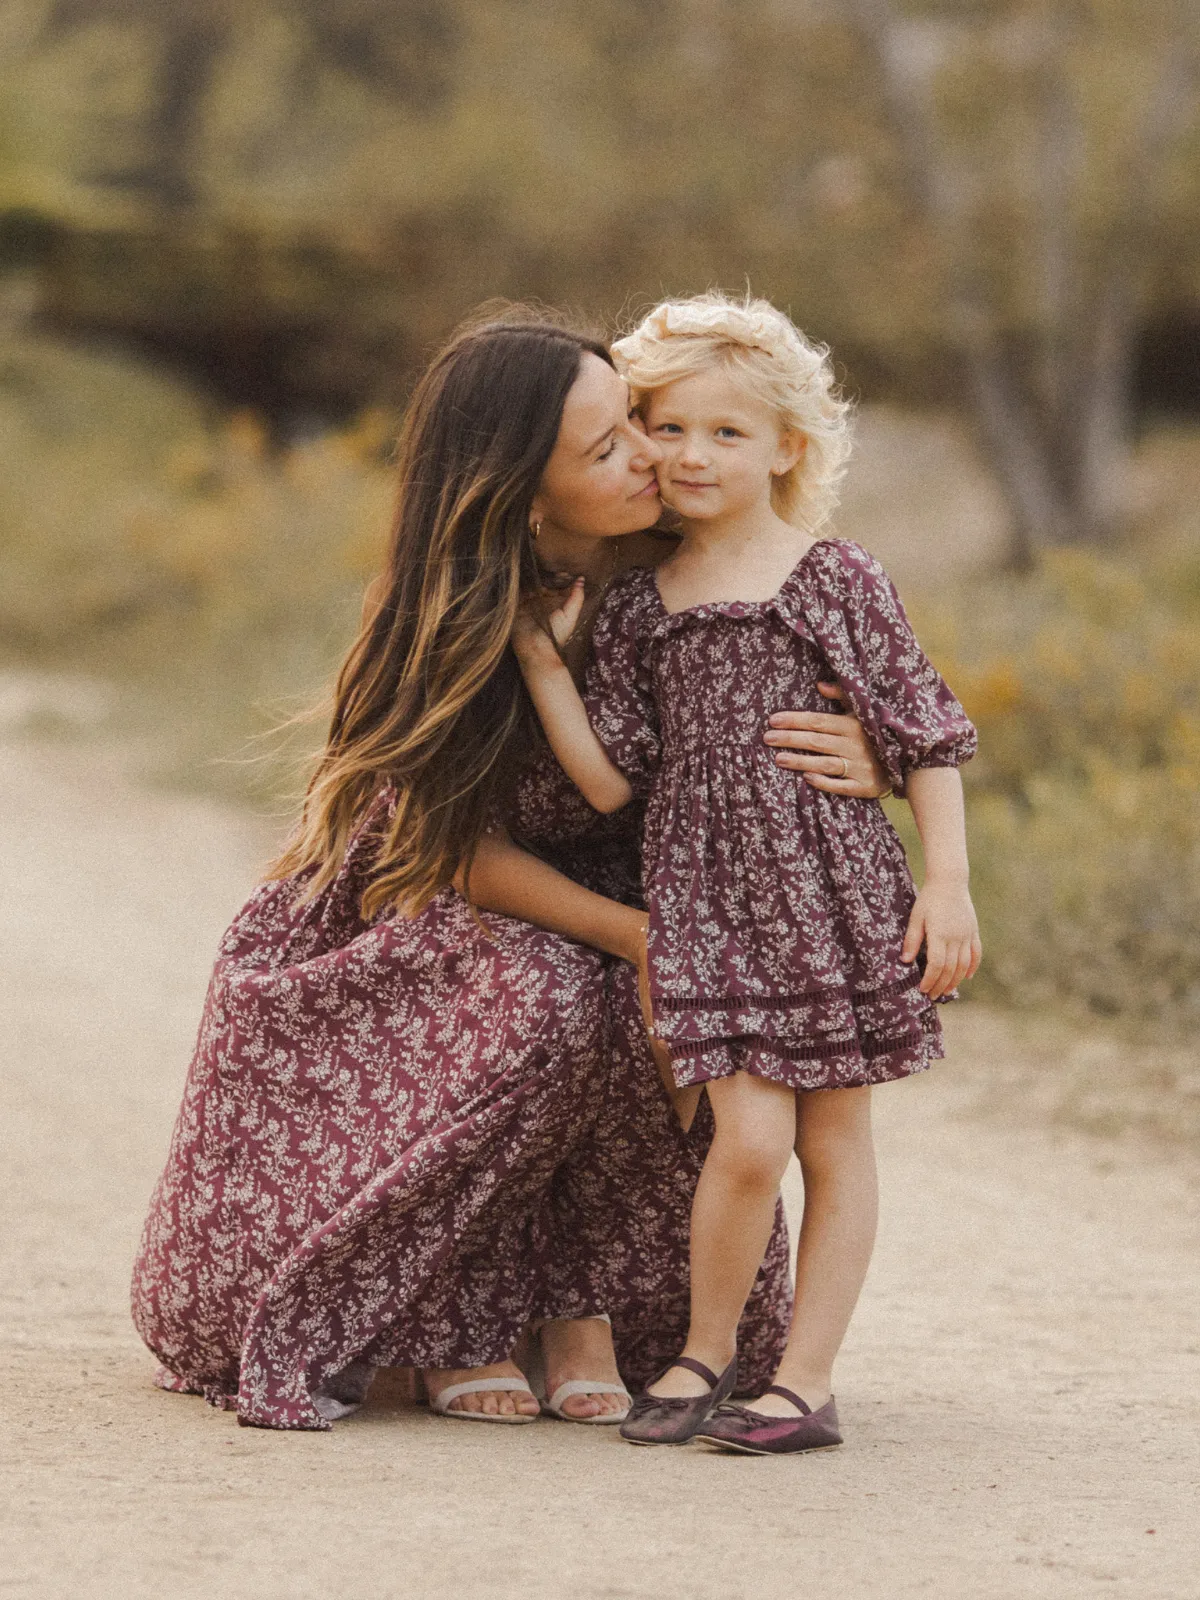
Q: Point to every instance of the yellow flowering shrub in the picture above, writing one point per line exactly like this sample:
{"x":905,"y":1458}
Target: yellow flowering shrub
{"x":1084,"y":801}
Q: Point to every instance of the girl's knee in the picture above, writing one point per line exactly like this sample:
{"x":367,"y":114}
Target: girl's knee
{"x":753,"y":1157}
{"x":755,"y":1129}
{"x":750,"y":1165}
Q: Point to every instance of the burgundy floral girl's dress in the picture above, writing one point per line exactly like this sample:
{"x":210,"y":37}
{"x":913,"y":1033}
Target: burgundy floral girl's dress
{"x":777,"y":912}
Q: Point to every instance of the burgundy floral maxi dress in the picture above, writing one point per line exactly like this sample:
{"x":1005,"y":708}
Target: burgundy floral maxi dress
{"x":400,"y":1140}
{"x":777,"y":911}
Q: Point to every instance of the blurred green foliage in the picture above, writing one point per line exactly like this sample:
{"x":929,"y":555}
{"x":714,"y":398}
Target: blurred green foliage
{"x":175,"y":550}
{"x":323,"y":186}
{"x":1084,"y":681}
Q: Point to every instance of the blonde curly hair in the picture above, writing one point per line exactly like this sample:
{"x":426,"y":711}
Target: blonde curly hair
{"x":771,"y":360}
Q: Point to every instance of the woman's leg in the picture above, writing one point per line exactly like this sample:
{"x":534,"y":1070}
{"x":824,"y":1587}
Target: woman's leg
{"x":578,"y":1349}
{"x":837,"y":1234}
{"x":732,"y":1216}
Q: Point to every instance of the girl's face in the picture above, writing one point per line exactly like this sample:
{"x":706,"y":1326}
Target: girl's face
{"x":599,"y":481}
{"x":720,"y":446}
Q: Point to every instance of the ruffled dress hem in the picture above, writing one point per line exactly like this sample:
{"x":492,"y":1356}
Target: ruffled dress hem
{"x":808,"y":1065}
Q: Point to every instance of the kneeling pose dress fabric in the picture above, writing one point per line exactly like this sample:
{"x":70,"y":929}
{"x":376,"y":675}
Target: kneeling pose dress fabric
{"x":400,"y":1140}
{"x":777,"y":911}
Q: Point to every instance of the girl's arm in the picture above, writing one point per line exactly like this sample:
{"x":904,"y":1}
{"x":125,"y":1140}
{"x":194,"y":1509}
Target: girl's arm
{"x":561,"y":709}
{"x":943,"y":917}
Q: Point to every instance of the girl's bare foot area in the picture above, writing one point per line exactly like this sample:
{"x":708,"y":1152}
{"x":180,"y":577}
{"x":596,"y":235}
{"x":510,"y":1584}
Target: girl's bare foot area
{"x":814,"y":1391}
{"x":578,"y":1350}
{"x":506,"y":1403}
{"x":681,"y":1383}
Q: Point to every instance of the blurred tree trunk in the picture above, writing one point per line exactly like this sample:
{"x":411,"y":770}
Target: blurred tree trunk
{"x":1053,"y":422}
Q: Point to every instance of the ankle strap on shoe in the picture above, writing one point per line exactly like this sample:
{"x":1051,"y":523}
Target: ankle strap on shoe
{"x":698,"y":1368}
{"x":777,"y":1388}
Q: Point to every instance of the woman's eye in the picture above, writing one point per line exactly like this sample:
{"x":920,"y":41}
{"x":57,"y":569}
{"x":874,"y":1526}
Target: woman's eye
{"x":604,"y":454}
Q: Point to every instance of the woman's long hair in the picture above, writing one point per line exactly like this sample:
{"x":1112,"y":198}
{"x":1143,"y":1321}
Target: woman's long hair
{"x":430,"y":698}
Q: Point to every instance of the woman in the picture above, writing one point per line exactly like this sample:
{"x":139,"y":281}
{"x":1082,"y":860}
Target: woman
{"x":408,"y":1132}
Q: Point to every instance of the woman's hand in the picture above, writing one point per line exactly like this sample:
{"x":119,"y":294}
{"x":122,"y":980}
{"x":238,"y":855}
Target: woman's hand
{"x":829,"y":748}
{"x":943,"y":919}
{"x":539,"y":635}
{"x":641,"y":961}
{"x":686,"y":1100}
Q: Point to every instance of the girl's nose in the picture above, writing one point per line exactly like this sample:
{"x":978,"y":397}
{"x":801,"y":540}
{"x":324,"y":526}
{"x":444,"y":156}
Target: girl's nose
{"x":693,"y":451}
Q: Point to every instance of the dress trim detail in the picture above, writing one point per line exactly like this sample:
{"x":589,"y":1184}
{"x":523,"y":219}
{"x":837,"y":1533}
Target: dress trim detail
{"x":868,"y":1046}
{"x":776,"y":1002}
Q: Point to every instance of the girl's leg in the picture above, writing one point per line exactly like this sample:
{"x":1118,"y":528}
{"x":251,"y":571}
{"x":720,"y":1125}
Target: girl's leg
{"x":837,"y":1234}
{"x":732,"y":1216}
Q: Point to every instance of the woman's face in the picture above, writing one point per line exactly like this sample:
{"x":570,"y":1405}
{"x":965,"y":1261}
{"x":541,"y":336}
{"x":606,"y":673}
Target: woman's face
{"x":599,"y":481}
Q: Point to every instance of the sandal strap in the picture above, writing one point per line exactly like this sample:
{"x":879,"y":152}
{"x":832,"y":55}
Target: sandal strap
{"x":577,"y":1386}
{"x":478,"y":1386}
{"x":697,"y":1367}
{"x":786,"y":1394}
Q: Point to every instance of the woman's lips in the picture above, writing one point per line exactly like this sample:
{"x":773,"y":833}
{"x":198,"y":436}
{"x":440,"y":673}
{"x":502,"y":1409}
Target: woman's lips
{"x":646,"y":493}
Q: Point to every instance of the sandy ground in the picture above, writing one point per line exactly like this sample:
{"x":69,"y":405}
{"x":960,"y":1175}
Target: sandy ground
{"x":1018,"y":1391}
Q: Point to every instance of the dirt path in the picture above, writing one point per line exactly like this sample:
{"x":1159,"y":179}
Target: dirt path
{"x":1018,"y":1390}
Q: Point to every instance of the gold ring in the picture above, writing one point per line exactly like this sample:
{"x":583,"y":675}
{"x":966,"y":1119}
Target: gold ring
{"x":845,"y":772}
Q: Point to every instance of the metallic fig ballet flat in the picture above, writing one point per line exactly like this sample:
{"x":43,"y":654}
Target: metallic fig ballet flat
{"x":751,"y":1433}
{"x":670,"y":1419}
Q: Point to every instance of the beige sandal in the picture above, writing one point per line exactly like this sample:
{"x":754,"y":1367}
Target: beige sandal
{"x":441,"y":1406}
{"x":576,"y":1386}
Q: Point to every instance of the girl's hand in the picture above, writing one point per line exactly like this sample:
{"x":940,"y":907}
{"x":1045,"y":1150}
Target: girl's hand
{"x":539,"y":635}
{"x":944,"y":920}
{"x":829,"y":748}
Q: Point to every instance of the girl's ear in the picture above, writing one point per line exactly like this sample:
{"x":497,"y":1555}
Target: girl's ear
{"x":792,"y":445}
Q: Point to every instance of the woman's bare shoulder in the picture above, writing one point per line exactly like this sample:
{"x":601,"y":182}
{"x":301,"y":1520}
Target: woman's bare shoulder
{"x":644,"y":550}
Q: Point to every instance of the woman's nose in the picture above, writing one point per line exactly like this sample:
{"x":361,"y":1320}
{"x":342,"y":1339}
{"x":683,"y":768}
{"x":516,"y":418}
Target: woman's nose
{"x":646,"y":453}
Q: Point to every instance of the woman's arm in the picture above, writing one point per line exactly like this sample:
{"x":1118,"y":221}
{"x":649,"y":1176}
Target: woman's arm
{"x":505,"y":878}
{"x":816,"y":743}
{"x":943,"y":916}
{"x":560,"y":706}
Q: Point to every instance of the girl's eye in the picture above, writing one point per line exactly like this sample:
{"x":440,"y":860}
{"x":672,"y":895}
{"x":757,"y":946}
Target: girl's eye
{"x":668,"y":427}
{"x":729,"y":433}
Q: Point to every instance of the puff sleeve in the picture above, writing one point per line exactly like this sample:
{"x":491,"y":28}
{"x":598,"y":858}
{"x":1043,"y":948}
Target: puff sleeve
{"x":618,"y":692}
{"x":850,"y":609}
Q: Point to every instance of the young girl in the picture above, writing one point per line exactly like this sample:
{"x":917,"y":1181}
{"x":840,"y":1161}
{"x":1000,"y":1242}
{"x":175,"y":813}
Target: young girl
{"x":790,"y":962}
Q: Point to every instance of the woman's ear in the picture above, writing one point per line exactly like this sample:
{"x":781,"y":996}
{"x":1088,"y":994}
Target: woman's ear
{"x":792,"y":445}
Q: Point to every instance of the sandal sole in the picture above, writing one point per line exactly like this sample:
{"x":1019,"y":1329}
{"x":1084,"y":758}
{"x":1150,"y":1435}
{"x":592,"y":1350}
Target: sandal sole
{"x":482,"y":1416}
{"x":588,"y":1422}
